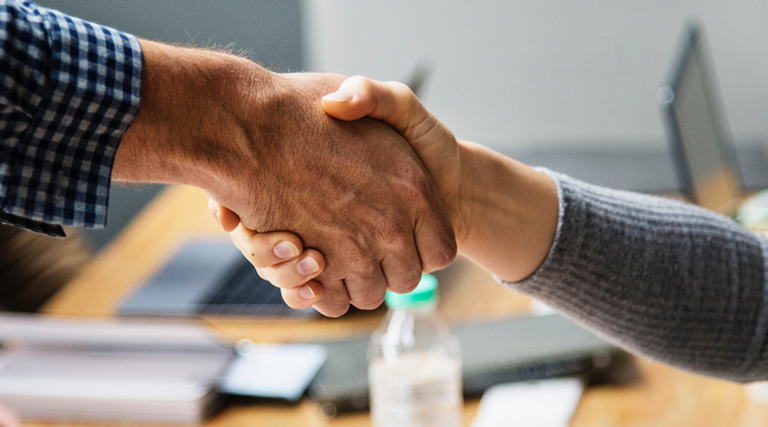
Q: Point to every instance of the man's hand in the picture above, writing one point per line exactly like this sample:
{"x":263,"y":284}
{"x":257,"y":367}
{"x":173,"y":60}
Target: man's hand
{"x":260,"y":144}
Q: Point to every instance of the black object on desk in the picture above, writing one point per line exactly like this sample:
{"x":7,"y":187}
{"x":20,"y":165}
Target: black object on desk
{"x":211,"y":278}
{"x":508,"y":350}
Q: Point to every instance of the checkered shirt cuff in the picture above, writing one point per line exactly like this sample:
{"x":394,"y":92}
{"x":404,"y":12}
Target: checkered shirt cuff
{"x":69,"y":89}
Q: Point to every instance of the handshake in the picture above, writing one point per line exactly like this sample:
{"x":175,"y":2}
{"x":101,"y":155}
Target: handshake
{"x":381,"y":214}
{"x":335,"y":190}
{"x":370,"y":205}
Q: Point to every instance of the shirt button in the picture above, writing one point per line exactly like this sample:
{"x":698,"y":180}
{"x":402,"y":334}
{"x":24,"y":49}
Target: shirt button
{"x":58,"y":196}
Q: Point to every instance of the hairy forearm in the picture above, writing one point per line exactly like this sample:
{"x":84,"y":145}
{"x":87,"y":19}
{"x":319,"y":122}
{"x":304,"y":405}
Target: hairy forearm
{"x":510,"y":213}
{"x":190,"y":124}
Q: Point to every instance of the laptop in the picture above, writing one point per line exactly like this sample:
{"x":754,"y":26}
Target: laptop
{"x":702,"y":147}
{"x":209,"y":278}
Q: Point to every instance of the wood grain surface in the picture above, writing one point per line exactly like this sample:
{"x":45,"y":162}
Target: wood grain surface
{"x":660,"y":396}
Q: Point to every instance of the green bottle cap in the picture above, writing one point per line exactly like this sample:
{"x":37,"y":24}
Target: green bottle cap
{"x":424,"y":294}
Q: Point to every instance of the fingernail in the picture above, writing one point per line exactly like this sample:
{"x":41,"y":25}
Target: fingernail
{"x":216,"y":215}
{"x":307,"y":266}
{"x":340,"y":96}
{"x":285,"y":250}
{"x":306,"y":292}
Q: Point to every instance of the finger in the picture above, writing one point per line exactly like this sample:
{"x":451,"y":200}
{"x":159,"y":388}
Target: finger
{"x":335,"y":301}
{"x":296,"y":272}
{"x":435,"y":240}
{"x":267,"y":249}
{"x":213,"y":207}
{"x":8,"y":419}
{"x":367,"y":289}
{"x":402,"y":268}
{"x":396,"y":105}
{"x":304,"y":296}
{"x":227,"y":219}
{"x":391,"y":102}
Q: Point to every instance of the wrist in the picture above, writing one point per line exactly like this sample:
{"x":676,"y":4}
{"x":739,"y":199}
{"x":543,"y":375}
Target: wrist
{"x":510,"y":212}
{"x":190,"y":128}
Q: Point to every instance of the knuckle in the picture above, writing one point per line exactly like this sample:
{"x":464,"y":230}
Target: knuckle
{"x":402,"y":90}
{"x":358,"y":255}
{"x":256,"y":252}
{"x":418,"y":183}
{"x":408,"y":105}
{"x":360,"y":82}
{"x":369,"y":303}
{"x":388,"y":230}
{"x":262,"y":272}
{"x":334,"y":311}
{"x":280,"y":280}
{"x":290,"y":301}
{"x":368,"y":290}
{"x":443,"y":256}
{"x":261,"y":242}
{"x":236,"y":239}
{"x":408,"y":284}
{"x":258,"y":260}
{"x":414,"y":186}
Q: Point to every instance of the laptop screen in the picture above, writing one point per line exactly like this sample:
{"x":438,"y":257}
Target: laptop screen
{"x":703,"y":150}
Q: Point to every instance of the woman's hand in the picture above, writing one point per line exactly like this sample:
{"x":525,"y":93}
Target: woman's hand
{"x":396,"y":105}
{"x":8,"y":419}
{"x":504,"y":213}
{"x":278,"y":256}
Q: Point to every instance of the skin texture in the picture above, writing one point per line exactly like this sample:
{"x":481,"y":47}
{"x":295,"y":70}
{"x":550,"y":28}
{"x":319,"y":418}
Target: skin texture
{"x":7,"y":419}
{"x":260,"y":145}
{"x":504,"y":213}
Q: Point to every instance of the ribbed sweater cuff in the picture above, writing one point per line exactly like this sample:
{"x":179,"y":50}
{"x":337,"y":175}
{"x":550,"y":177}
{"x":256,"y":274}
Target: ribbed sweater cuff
{"x":660,"y":277}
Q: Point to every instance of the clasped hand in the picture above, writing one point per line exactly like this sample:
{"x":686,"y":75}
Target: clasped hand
{"x":375,"y":213}
{"x":503,"y":214}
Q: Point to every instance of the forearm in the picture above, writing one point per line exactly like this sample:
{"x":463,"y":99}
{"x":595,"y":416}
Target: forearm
{"x":509,"y":211}
{"x":666,"y":279}
{"x":190,"y":127}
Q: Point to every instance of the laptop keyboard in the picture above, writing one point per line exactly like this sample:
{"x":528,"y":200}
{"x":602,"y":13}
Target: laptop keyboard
{"x":244,"y":293}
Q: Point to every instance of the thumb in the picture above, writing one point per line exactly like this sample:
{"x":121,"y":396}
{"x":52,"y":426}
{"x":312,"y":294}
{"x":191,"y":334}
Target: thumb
{"x":396,"y":105}
{"x":353,"y":100}
{"x":393,"y":103}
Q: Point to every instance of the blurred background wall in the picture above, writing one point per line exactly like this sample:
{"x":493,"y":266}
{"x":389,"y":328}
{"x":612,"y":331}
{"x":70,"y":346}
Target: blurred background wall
{"x":522,"y":73}
{"x":514,"y":75}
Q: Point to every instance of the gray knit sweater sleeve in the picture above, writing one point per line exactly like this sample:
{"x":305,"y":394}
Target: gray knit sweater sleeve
{"x":662,"y":278}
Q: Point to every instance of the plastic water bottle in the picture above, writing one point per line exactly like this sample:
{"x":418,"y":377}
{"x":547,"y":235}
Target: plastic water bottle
{"x":414,"y":364}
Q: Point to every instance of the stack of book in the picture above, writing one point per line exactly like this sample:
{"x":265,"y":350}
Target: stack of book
{"x":109,"y":371}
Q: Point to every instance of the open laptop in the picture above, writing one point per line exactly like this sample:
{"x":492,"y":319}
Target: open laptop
{"x":209,"y":278}
{"x":703,"y":150}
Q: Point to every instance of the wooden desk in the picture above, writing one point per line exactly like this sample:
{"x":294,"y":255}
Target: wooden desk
{"x":662,"y":397}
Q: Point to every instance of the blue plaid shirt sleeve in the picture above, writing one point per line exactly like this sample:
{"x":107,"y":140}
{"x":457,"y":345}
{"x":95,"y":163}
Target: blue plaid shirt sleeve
{"x":69,"y":89}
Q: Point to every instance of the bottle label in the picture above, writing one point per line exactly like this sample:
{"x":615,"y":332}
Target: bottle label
{"x":418,"y":388}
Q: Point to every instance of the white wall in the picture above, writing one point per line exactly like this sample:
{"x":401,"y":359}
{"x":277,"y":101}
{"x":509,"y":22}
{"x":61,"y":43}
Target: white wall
{"x":522,"y":73}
